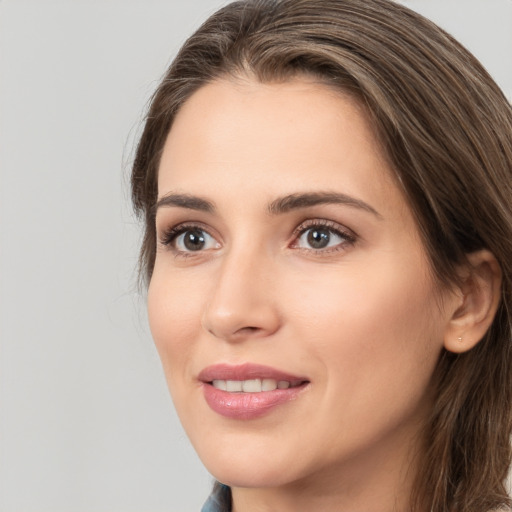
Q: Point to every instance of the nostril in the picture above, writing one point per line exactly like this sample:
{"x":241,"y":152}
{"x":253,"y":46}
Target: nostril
{"x":249,"y":329}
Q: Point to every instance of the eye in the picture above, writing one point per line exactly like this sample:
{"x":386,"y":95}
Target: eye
{"x":189,"y":239}
{"x":322,"y":236}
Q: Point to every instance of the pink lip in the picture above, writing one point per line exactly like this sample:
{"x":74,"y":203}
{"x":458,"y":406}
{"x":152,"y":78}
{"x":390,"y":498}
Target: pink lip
{"x":245,"y":372}
{"x":247,"y":405}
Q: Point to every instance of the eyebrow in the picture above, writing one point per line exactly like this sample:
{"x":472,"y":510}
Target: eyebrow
{"x":185,"y":201}
{"x":306,"y":200}
{"x":278,"y":206}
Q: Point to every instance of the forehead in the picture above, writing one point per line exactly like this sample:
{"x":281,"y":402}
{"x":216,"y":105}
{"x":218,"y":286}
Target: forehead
{"x":232,"y":137}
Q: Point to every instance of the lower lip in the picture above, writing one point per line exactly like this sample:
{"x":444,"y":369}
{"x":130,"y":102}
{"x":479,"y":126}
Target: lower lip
{"x":248,"y":406}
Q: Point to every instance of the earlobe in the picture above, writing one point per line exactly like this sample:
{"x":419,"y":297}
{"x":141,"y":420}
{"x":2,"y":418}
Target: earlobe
{"x":479,"y":297}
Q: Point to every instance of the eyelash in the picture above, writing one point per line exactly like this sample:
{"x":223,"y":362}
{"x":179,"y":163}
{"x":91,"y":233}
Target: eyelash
{"x":349,"y":238}
{"x":169,"y":237}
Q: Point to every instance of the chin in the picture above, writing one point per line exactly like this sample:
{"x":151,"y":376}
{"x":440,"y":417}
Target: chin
{"x":248,"y":476}
{"x":257,"y":466}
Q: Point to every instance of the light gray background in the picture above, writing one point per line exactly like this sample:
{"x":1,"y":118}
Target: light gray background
{"x":86,"y":423}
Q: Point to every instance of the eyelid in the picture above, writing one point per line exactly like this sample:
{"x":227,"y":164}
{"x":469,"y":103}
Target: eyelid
{"x":167,"y":236}
{"x":344,"y":232}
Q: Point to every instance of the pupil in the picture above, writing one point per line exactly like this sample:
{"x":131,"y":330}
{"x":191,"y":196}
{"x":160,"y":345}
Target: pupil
{"x":194,"y":240}
{"x":318,"y":238}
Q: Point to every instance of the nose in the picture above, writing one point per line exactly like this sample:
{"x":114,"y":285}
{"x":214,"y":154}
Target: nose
{"x":242,"y":301}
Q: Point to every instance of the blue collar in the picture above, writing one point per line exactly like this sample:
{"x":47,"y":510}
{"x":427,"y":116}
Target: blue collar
{"x":219,"y":500}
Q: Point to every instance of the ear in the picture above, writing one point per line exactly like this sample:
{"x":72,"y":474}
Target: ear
{"x":479,"y":294}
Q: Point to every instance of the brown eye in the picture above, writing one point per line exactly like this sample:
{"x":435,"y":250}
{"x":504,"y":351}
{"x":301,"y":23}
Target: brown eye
{"x":318,"y":238}
{"x":193,"y":240}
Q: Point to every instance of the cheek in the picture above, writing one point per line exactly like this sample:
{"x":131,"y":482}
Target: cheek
{"x":375,"y":328}
{"x":174,"y":319}
{"x":371,"y":296}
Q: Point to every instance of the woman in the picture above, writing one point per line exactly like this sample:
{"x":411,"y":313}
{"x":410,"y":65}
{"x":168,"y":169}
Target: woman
{"x":326,"y":188}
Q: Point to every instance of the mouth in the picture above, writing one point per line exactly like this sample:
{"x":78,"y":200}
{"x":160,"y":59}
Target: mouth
{"x":254,"y":385}
{"x":248,"y":391}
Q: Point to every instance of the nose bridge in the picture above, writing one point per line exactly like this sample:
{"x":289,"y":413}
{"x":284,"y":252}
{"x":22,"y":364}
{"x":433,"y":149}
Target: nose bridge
{"x":241,"y":301}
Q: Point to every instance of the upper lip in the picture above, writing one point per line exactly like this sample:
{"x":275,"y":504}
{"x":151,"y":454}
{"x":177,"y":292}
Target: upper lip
{"x":245,"y":371}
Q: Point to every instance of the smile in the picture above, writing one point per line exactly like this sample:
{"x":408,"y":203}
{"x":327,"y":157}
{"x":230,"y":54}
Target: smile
{"x":248,"y":391}
{"x":253,"y":385}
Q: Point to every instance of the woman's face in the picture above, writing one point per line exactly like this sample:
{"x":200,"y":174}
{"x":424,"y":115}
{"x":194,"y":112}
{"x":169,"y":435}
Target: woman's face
{"x":291,"y":302}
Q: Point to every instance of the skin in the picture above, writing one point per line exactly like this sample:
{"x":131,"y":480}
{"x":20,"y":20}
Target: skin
{"x":362,"y":319}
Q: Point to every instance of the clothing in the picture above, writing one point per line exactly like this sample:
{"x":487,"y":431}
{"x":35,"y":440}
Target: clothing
{"x":219,"y":500}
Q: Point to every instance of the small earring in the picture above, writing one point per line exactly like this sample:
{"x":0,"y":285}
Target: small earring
{"x":459,"y":339}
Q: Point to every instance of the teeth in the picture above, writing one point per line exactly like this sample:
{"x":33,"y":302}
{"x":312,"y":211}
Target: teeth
{"x":268,"y":385}
{"x":220,"y":384}
{"x":233,"y":385}
{"x":251,"y":385}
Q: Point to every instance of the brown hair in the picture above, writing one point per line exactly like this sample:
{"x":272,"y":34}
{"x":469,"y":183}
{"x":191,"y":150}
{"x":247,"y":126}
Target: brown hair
{"x":447,"y":130}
